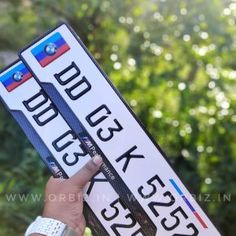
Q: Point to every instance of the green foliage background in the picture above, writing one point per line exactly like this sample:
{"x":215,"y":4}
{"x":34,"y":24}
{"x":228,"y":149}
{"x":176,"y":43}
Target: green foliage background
{"x":173,"y":61}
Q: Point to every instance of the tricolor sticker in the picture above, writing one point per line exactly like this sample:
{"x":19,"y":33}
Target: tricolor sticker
{"x":50,"y":49}
{"x":15,"y":77}
{"x":199,"y":218}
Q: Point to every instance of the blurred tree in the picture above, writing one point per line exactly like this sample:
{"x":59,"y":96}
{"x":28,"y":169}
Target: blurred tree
{"x":174,"y":63}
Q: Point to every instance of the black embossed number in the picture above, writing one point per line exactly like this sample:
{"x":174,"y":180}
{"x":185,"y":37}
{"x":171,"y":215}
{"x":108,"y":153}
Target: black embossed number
{"x":64,"y":141}
{"x":153,"y":182}
{"x":113,"y":206}
{"x":42,"y":116}
{"x":175,"y":220}
{"x":99,"y":115}
{"x":167,"y":203}
{"x":116,"y":226}
{"x":190,"y":226}
{"x":80,"y":85}
{"x":131,"y":224}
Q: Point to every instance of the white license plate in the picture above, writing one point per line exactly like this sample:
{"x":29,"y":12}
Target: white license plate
{"x":85,"y":96}
{"x":61,"y":150}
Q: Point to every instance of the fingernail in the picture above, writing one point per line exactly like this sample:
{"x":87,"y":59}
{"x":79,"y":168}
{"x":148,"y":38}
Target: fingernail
{"x":97,"y":160}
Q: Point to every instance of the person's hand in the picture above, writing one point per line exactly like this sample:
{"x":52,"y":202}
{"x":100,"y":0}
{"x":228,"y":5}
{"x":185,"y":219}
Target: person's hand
{"x":64,"y":198}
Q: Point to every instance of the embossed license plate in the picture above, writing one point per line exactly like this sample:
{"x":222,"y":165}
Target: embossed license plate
{"x":96,"y":112}
{"x":61,"y":150}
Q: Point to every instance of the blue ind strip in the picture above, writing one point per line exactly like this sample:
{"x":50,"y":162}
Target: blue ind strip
{"x":176,"y":187}
{"x":41,"y":46}
{"x":9,"y":74}
{"x":189,"y":204}
{"x":10,"y":80}
{"x":60,"y":42}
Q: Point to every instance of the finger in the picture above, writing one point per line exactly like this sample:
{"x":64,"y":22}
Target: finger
{"x":83,"y":176}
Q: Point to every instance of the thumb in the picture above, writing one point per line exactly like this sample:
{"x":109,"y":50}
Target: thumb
{"x":83,"y":176}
